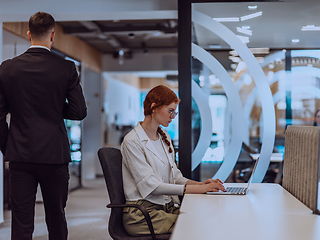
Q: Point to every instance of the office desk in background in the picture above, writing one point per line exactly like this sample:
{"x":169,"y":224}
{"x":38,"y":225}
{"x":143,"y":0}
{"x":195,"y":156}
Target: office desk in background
{"x":267,"y":212}
{"x":275,"y":158}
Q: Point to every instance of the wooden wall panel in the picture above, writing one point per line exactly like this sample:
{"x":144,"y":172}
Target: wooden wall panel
{"x":69,"y":45}
{"x":148,"y":83}
{"x":17,"y":28}
{"x":130,"y":79}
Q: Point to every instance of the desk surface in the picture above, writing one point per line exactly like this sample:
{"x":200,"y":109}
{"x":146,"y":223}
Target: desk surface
{"x":275,"y":157}
{"x":266,"y":212}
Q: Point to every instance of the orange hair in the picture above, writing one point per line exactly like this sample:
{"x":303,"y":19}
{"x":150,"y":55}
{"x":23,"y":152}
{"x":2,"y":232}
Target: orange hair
{"x":160,"y":96}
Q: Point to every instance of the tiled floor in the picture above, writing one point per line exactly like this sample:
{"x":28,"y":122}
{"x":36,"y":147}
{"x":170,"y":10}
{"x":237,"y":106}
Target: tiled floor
{"x":86,"y":214}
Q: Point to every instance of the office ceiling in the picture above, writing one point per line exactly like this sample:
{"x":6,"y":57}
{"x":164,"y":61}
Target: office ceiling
{"x":279,"y":26}
{"x":130,"y":26}
{"x":127,"y":35}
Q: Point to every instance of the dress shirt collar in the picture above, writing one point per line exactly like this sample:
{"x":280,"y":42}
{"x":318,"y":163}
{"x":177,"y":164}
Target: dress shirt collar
{"x":39,"y":46}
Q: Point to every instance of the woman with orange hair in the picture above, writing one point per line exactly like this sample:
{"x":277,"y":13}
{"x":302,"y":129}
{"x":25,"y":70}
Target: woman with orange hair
{"x":150,"y":175}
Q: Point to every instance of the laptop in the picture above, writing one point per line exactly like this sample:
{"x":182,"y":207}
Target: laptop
{"x":237,"y":190}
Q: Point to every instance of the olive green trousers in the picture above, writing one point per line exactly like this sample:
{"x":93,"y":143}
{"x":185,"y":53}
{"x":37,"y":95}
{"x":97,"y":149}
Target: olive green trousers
{"x":162,"y":217}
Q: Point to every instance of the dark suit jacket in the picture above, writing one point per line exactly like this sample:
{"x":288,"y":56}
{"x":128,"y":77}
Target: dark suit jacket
{"x":39,"y":90}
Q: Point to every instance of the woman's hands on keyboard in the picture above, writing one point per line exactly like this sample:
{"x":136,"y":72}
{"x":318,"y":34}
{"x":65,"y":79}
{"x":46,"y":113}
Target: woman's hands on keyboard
{"x":210,"y":185}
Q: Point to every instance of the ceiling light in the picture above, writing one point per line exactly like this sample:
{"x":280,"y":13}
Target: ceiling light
{"x":234,"y":59}
{"x":270,"y":76}
{"x":231,"y":19}
{"x":252,"y":7}
{"x":121,"y":54}
{"x":281,"y":105}
{"x":247,"y":80}
{"x":245,"y":27}
{"x":271,"y":66}
{"x":243,"y":39}
{"x":241,"y":66}
{"x":295,"y":40}
{"x":253,"y":15}
{"x":233,"y":53}
{"x":259,"y":50}
{"x":214,"y":46}
{"x":260,"y":59}
{"x":102,"y":36}
{"x":245,"y":31}
{"x":233,"y":66}
{"x":213,"y":80}
{"x":310,"y":28}
{"x":131,"y":36}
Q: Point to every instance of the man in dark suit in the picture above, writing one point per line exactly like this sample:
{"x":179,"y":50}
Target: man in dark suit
{"x":39,"y":89}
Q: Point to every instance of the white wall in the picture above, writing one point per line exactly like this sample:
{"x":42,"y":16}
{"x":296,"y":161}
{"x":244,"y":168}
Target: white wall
{"x":10,"y":46}
{"x":122,"y":100}
{"x":13,"y":45}
{"x":92,"y":126}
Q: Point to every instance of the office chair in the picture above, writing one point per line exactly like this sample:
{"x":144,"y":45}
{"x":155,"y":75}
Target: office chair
{"x":244,"y":164}
{"x":111,"y":163}
{"x":301,"y":164}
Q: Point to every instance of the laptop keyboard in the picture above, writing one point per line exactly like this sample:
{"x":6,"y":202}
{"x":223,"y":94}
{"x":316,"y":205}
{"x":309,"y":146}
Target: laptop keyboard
{"x":235,"y":189}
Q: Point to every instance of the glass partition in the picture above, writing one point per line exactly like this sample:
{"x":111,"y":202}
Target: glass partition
{"x":256,"y":80}
{"x":74,"y":133}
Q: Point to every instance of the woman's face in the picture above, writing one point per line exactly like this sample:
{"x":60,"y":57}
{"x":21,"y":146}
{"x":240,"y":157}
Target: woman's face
{"x":164,"y":114}
{"x":318,"y":118}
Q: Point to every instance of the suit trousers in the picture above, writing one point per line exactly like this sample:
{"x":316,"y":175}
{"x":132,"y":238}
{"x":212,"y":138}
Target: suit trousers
{"x":24,"y":180}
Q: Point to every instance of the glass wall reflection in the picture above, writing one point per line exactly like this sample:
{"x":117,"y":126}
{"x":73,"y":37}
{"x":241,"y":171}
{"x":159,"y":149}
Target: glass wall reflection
{"x":292,"y":73}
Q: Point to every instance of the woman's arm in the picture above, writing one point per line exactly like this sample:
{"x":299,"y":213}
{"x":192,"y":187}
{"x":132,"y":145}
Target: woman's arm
{"x":210,"y":185}
{"x":168,"y":189}
{"x":210,"y":180}
{"x":199,"y":187}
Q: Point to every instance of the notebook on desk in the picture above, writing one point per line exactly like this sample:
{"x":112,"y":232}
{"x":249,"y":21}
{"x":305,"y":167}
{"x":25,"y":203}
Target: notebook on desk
{"x":237,"y":190}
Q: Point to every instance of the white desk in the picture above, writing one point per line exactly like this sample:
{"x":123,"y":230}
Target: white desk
{"x":266,"y":212}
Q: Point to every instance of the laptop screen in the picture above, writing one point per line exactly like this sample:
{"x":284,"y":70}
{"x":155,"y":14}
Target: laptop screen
{"x":254,"y":168}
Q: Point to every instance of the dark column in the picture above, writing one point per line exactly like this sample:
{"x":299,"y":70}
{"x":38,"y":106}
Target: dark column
{"x":184,"y":79}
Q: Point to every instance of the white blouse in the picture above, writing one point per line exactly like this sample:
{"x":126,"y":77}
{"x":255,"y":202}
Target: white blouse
{"x":149,"y":171}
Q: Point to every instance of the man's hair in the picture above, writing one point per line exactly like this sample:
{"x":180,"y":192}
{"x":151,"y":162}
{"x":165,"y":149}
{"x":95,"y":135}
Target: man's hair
{"x":41,"y":24}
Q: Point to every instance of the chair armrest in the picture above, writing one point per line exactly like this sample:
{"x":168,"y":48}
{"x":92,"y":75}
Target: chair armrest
{"x":144,"y":212}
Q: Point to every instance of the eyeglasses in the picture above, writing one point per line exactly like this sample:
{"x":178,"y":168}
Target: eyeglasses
{"x":172,"y":113}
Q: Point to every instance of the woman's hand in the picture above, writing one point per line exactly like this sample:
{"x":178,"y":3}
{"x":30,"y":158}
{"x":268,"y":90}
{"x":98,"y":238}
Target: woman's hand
{"x":215,"y":186}
{"x":207,"y":186}
{"x":210,"y":180}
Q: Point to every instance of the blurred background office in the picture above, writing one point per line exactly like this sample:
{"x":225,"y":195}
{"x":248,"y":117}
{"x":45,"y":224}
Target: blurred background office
{"x":124,"y":48}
